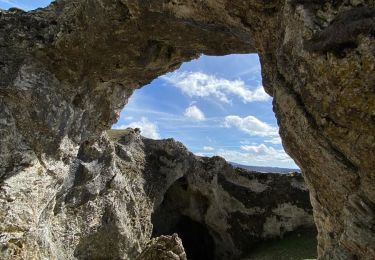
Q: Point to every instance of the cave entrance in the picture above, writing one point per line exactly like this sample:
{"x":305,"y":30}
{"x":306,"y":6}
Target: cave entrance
{"x":214,"y":106}
{"x":172,"y":217}
{"x":196,"y":239}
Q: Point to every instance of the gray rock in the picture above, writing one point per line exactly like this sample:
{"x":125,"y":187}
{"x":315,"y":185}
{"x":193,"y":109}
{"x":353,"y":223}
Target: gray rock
{"x":67,"y":70}
{"x":117,"y":192}
{"x":164,"y":248}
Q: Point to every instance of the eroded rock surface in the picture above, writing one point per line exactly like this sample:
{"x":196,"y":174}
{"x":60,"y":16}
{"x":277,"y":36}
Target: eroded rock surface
{"x":67,"y":70}
{"x":164,"y":248}
{"x":104,"y":208}
{"x":223,"y":213}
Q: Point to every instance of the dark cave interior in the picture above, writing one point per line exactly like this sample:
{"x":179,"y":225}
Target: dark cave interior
{"x":170,"y":217}
{"x":196,"y":239}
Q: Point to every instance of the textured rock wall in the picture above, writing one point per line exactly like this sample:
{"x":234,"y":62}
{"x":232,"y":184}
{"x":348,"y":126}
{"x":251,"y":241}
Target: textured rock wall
{"x":238,"y":208}
{"x":164,"y":247}
{"x":103,"y":208}
{"x":67,"y":70}
{"x":323,"y":88}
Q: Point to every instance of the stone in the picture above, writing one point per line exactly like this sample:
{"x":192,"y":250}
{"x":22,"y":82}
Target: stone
{"x":67,"y":70}
{"x":221,"y":212}
{"x":124,"y":188}
{"x":164,"y":248}
{"x":114,"y":199}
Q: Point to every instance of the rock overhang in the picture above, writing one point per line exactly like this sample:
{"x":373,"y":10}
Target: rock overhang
{"x":82,"y":60}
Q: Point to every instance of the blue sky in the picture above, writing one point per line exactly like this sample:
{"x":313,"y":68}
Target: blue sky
{"x":213,"y":105}
{"x":24,"y":4}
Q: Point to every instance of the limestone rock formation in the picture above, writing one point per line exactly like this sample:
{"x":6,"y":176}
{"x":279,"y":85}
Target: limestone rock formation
{"x":164,"y":248}
{"x":223,"y":213}
{"x":118,"y":191}
{"x":67,"y":70}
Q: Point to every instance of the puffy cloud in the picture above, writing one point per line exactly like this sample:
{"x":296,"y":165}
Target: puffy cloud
{"x":194,"y":113}
{"x":257,"y":154}
{"x":264,"y":150}
{"x":148,"y":129}
{"x":208,"y":148}
{"x":250,"y":125}
{"x":275,"y":140}
{"x":129,"y":118}
{"x":198,"y":84}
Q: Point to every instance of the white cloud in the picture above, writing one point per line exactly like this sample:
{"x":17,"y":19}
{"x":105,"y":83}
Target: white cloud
{"x":275,"y":140}
{"x":263,"y":150}
{"x":14,"y":3}
{"x":256,"y":155}
{"x":251,"y":125}
{"x":194,"y":113}
{"x":148,"y":129}
{"x":198,"y":84}
{"x":208,"y":148}
{"x":129,"y":118}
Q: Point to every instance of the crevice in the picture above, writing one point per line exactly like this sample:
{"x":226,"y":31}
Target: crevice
{"x":343,"y":32}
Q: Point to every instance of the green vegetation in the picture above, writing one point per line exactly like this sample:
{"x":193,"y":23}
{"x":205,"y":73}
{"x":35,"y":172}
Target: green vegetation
{"x":116,"y":134}
{"x":296,"y":246}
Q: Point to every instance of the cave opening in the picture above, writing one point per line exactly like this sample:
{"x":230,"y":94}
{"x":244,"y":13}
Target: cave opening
{"x":196,"y":239}
{"x":213,"y":225}
{"x":175,"y":215}
{"x":214,"y":105}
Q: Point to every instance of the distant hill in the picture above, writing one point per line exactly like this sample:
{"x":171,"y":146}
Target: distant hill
{"x":265,"y":168}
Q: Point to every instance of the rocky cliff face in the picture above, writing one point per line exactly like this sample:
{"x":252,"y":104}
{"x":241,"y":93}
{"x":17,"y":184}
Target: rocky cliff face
{"x":67,"y":70}
{"x":118,"y":194}
{"x":221,"y":212}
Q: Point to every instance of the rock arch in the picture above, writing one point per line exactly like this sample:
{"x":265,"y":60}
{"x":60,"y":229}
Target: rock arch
{"x":68,"y":69}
